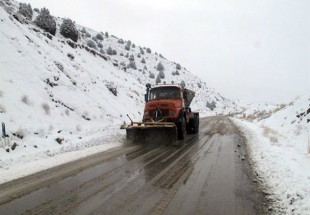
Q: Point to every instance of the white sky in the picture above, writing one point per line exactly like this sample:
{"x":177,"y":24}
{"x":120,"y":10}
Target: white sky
{"x":253,"y":50}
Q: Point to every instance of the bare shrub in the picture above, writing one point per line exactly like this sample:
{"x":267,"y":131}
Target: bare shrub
{"x":271,"y":134}
{"x":112,"y":88}
{"x":46,"y":108}
{"x":2,"y":109}
{"x":25,"y":100}
{"x":78,"y":128}
{"x":67,"y":112}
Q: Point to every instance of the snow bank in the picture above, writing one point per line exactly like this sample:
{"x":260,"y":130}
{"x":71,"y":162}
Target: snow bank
{"x":278,"y":149}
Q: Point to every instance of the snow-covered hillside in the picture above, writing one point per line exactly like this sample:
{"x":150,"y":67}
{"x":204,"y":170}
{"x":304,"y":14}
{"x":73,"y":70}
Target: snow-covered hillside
{"x":58,"y":96}
{"x":279,"y":147}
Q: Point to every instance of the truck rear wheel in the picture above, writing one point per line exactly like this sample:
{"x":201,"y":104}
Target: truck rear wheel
{"x":181,"y":129}
{"x":193,"y":126}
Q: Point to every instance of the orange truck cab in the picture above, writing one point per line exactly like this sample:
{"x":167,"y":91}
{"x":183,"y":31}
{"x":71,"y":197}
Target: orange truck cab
{"x":171,"y":103}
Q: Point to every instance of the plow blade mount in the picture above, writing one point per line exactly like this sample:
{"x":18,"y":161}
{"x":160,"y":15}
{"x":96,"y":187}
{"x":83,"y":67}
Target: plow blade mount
{"x":152,"y":133}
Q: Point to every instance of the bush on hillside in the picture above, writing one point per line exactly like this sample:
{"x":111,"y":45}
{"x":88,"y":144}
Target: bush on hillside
{"x":102,"y":51}
{"x":25,"y":10}
{"x":148,"y":50}
{"x":161,"y":74}
{"x":112,"y":88}
{"x":177,"y":72}
{"x":158,"y":80}
{"x":178,"y":66}
{"x":160,"y":67}
{"x":141,"y":51}
{"x":132,"y":65}
{"x":106,"y":34}
{"x":99,"y":36}
{"x":46,"y":22}
{"x":143,"y":60}
{"x":127,"y":47}
{"x":110,"y":51}
{"x":91,"y":44}
{"x":211,"y":105}
{"x":100,"y":45}
{"x":68,"y":30}
{"x":151,"y":75}
{"x":183,"y":84}
{"x":121,"y":41}
{"x":131,"y":57}
{"x":36,"y":10}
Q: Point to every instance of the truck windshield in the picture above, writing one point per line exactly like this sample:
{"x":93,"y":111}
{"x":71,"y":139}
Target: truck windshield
{"x":165,"y":93}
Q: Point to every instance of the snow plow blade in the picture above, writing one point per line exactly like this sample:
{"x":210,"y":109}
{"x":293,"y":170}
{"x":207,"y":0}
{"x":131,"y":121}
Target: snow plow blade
{"x":162,"y":133}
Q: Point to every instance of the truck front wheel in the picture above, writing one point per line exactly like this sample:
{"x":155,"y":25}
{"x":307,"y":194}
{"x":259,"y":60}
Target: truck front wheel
{"x":181,"y":126}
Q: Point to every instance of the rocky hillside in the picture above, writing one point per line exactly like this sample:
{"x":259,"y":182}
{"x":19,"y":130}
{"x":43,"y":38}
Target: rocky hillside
{"x":55,"y":89}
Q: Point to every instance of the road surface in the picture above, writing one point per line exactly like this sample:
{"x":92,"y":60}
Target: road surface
{"x":207,"y":173}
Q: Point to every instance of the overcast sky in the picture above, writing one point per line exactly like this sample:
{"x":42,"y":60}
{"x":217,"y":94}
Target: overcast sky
{"x":252,"y":50}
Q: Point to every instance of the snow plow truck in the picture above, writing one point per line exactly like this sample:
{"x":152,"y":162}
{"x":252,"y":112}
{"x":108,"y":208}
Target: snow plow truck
{"x":167,"y":116}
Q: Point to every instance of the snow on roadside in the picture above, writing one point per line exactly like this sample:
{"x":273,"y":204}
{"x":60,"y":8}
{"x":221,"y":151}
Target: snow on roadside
{"x":279,"y":154}
{"x":21,"y":164}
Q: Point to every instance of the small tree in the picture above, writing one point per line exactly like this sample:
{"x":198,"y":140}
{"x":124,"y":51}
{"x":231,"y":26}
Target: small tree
{"x":131,"y":57}
{"x":148,"y":50}
{"x":68,"y":30}
{"x":177,"y":72}
{"x":110,"y":51}
{"x":46,"y":22}
{"x":127,"y":47}
{"x":100,"y":45}
{"x":99,"y":36}
{"x":141,"y":51}
{"x":160,"y":67}
{"x":178,"y":66}
{"x":183,"y":84}
{"x":143,"y":60}
{"x":151,"y":75}
{"x":25,"y":10}
{"x":161,"y":74}
{"x":158,"y":80}
{"x":132,"y":64}
{"x":106,"y":34}
{"x":121,"y":41}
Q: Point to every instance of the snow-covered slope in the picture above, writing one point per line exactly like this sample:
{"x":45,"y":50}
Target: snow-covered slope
{"x":279,"y":147}
{"x":57,"y":95}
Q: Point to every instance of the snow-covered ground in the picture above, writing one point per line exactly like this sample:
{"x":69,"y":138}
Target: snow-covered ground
{"x":279,"y":148}
{"x":57,"y":96}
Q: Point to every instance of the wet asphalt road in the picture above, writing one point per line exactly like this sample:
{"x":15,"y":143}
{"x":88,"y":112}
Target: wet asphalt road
{"x":204,"y":174}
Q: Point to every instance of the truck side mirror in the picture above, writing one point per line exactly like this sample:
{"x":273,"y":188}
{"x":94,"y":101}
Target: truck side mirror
{"x":146,"y":98}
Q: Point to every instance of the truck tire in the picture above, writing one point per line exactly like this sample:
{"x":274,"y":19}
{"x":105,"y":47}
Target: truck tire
{"x":196,"y":126}
{"x":181,"y":126}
